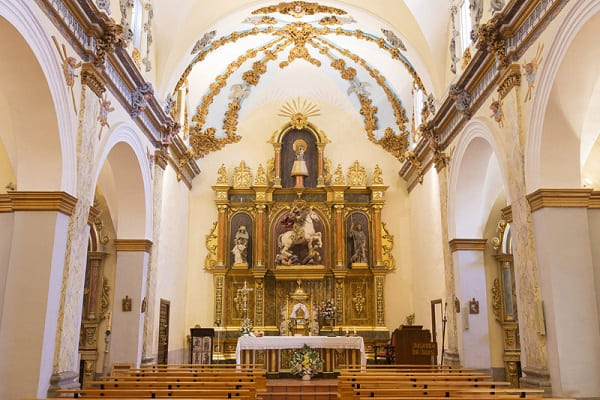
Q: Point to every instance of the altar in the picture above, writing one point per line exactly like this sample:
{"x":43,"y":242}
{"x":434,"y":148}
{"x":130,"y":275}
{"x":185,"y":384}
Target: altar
{"x":248,"y":346}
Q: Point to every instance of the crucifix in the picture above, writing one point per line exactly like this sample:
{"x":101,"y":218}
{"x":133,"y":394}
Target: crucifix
{"x":244,"y":292}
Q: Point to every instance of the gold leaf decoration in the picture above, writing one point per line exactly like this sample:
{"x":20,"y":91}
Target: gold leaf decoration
{"x":211,"y":243}
{"x":395,"y":144}
{"x":298,"y":9}
{"x":387,"y":245}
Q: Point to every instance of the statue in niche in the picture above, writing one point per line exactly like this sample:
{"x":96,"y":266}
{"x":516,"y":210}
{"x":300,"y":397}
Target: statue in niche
{"x":301,"y":231}
{"x":359,"y":244}
{"x":240,"y":246}
{"x":299,"y":168}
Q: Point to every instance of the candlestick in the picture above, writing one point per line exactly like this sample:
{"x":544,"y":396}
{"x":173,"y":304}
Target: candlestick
{"x":354,"y":331}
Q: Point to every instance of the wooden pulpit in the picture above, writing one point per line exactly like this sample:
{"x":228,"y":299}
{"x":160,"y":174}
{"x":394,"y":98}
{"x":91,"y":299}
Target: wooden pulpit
{"x":413,"y":345}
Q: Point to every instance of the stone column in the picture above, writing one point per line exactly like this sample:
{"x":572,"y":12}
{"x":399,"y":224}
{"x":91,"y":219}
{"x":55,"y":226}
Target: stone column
{"x":562,"y":237}
{"x":260,"y":236}
{"x":377,"y":234}
{"x":33,"y":284}
{"x":65,"y":368}
{"x":320,"y":164}
{"x":150,"y":337}
{"x":470,"y":271}
{"x":130,"y":283}
{"x":451,"y":355}
{"x":222,"y":229}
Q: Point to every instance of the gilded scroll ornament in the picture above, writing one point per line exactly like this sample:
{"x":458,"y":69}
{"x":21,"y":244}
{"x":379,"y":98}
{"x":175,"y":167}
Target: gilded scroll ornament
{"x":212,"y":241}
{"x":327,"y":171}
{"x":497,"y":300}
{"x":489,"y":37}
{"x":242,"y":177}
{"x":338,"y":176}
{"x":300,"y":33}
{"x":387,"y":245}
{"x":395,"y":144}
{"x":357,"y":177}
{"x":298,"y":9}
{"x":379,"y":299}
{"x":271,"y":170}
{"x":359,"y":302}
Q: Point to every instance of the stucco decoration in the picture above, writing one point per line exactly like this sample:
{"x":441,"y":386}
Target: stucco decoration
{"x":204,"y":41}
{"x":393,"y":39}
{"x":496,"y":6}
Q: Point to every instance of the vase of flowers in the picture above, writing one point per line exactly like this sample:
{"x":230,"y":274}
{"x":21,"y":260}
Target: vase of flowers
{"x":306,"y":363}
{"x":327,"y":312}
{"x":246,"y":326}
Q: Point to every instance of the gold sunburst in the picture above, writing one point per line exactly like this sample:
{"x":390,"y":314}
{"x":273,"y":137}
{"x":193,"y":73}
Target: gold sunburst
{"x":299,"y":111}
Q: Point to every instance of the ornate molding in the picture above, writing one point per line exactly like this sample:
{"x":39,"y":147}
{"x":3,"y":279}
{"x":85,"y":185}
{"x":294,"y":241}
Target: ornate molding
{"x":560,"y":198}
{"x":467,"y":244}
{"x":507,"y":213}
{"x":490,"y":39}
{"x":92,"y":78}
{"x":111,"y":38}
{"x":93,"y":215}
{"x":137,"y":245}
{"x":594,"y":200}
{"x":38,"y":201}
{"x":510,"y":79}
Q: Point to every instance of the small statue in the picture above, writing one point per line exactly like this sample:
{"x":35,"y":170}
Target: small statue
{"x":222,"y":175}
{"x":240,"y":248}
{"x":299,"y":169}
{"x":359,"y":242}
{"x":261,"y":176}
{"x":338,"y":178}
{"x":377,"y":178}
{"x":69,"y":65}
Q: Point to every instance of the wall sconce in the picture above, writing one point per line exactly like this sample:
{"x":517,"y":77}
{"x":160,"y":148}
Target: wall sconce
{"x":126,"y":304}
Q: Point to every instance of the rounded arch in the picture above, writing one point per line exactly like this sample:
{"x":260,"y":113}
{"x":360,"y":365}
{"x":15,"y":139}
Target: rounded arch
{"x":476,"y":179}
{"x":47,"y":138}
{"x":125,"y":173}
{"x":544,"y":145}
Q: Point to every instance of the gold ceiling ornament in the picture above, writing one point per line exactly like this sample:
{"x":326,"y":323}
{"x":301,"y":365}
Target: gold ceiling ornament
{"x":497,"y":300}
{"x":369,"y":114}
{"x":387,"y":245}
{"x":222,"y":178}
{"x":230,"y":122}
{"x":395,"y":144}
{"x":261,"y":176}
{"x":338,"y":176}
{"x":326,"y":171}
{"x":242,"y":177}
{"x":357,"y":177}
{"x":299,"y":111}
{"x":377,"y":178}
{"x":211,"y":242}
{"x":414,"y":161}
{"x":300,"y":33}
{"x":298,"y":9}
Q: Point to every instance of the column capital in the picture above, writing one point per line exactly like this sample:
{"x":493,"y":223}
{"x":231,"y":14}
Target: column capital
{"x":467,"y":244}
{"x":141,"y":245}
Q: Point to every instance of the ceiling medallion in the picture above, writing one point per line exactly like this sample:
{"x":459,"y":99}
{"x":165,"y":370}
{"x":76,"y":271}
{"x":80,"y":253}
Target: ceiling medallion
{"x":299,"y":111}
{"x":298,"y":9}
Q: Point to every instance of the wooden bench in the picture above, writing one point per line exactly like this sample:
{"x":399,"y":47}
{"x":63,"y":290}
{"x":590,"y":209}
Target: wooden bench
{"x":243,"y":394}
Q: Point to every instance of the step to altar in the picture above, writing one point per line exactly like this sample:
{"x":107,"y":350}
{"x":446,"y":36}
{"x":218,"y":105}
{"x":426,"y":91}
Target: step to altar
{"x":297,"y":389}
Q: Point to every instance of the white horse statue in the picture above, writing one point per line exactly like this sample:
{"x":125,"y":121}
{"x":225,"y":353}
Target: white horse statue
{"x":305,"y":233}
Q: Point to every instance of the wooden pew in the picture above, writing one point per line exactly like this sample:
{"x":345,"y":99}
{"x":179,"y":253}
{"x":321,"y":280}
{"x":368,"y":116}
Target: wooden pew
{"x":242,"y":394}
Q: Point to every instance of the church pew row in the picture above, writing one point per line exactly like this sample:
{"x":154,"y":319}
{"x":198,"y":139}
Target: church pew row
{"x":445,"y":392}
{"x":169,"y":385}
{"x":241,"y":394}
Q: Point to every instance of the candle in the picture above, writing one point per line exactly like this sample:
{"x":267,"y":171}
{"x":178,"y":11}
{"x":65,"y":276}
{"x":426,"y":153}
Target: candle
{"x":347,"y":331}
{"x":109,"y":321}
{"x":354,"y":331}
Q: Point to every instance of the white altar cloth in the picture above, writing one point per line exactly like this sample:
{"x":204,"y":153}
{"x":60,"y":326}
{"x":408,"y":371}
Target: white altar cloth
{"x":297,"y":342}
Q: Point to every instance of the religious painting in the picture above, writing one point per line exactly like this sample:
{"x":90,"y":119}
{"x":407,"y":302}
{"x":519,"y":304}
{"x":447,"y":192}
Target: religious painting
{"x":299,"y":236}
{"x":299,"y":158}
{"x":357,"y":241}
{"x":240,"y":240}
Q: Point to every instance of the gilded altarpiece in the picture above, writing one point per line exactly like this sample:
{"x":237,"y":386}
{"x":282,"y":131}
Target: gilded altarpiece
{"x":294,"y":226}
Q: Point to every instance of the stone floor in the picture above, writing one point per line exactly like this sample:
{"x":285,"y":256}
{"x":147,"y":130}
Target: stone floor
{"x":297,"y":389}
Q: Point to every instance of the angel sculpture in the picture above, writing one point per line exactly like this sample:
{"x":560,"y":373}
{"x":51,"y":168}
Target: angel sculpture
{"x":360,"y":88}
{"x":239,"y":91}
{"x":531,"y":69}
{"x":105,"y":109}
{"x":497,"y":113}
{"x":69,"y":65}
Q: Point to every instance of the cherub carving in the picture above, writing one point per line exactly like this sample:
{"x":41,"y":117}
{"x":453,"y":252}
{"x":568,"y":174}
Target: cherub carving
{"x":531,"y":69}
{"x":497,"y":113}
{"x":69,"y":65}
{"x":105,"y":109}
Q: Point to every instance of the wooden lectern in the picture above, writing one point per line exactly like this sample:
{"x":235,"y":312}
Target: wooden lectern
{"x":414,"y":345}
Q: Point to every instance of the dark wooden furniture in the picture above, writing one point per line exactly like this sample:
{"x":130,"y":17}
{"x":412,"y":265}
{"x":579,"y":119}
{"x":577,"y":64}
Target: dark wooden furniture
{"x":201,"y":349}
{"x":413,"y":345}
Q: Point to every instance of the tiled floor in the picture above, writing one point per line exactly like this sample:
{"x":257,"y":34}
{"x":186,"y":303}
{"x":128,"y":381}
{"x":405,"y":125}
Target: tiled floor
{"x":297,"y":389}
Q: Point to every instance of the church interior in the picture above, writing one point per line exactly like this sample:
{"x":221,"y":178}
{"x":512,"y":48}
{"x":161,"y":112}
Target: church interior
{"x":181,"y":177}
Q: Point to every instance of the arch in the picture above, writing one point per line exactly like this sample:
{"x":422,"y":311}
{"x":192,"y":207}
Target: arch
{"x":56,"y":150}
{"x":475,"y":173}
{"x":538,"y":166}
{"x":124,"y":169}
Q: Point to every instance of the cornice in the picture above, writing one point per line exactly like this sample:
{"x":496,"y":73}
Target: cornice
{"x":136,"y":245}
{"x":560,"y":198}
{"x":467,"y":244}
{"x":594,"y":200}
{"x":38,"y":201}
{"x":93,"y":214}
{"x":507,"y":213}
{"x":91,"y":77}
{"x":504,"y":38}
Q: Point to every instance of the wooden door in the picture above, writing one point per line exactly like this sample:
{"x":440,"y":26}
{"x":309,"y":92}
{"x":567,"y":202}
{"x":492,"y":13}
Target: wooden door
{"x":163,"y":332}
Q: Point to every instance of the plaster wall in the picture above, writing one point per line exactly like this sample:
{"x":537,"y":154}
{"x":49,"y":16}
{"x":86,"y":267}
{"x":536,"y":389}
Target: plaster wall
{"x":568,"y":292}
{"x":348,"y":143}
{"x":427,"y":266}
{"x":172,"y":263}
{"x":594,"y":226}
{"x":6,"y":222}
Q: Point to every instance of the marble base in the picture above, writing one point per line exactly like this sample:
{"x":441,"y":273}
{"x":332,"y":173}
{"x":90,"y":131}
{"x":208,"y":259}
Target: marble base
{"x":537,"y":378}
{"x":63,"y":380}
{"x":451,"y":357}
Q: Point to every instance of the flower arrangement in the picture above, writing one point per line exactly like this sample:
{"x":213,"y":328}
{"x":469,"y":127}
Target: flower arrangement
{"x":246,"y":326}
{"x":327,"y":310}
{"x":306,"y":361}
